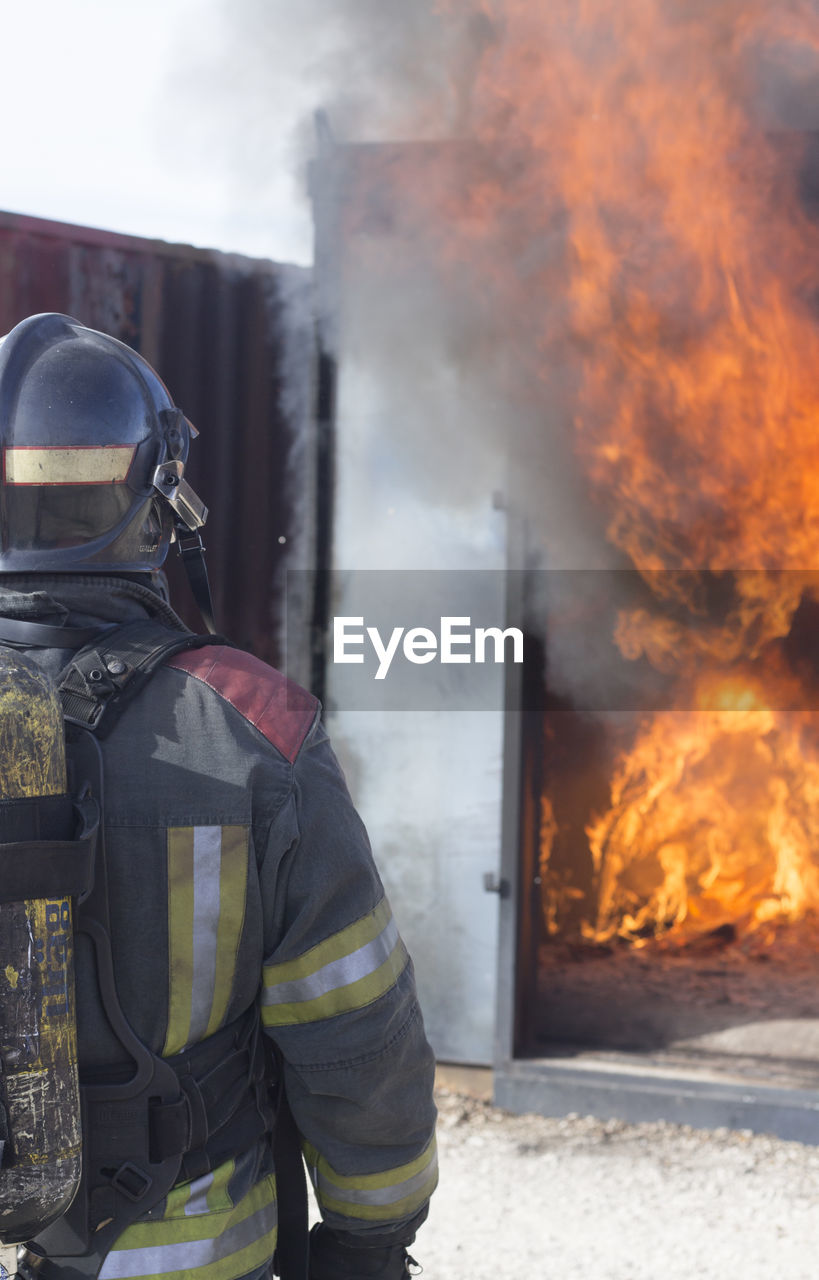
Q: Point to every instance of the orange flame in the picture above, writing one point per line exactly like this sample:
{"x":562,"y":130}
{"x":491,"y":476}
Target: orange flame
{"x":689,"y":316}
{"x":690,"y":267}
{"x":713,"y":820}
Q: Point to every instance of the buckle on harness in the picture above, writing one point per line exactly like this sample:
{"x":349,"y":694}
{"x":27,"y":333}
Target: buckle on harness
{"x":132,"y":1181}
{"x":85,"y":688}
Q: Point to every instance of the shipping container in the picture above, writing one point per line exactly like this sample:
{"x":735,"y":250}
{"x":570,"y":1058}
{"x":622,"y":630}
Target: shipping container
{"x":232,"y":337}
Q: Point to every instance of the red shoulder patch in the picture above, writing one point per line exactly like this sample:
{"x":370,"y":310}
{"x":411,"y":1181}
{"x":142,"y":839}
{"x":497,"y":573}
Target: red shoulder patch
{"x":274,"y":705}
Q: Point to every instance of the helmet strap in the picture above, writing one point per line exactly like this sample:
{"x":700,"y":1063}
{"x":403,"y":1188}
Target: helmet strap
{"x":192,"y":552}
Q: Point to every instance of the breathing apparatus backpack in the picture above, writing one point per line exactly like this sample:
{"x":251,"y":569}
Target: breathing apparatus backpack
{"x":46,"y":851}
{"x":68,"y":1189}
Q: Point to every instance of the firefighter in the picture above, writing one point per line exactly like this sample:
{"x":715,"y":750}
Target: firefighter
{"x":236,"y":961}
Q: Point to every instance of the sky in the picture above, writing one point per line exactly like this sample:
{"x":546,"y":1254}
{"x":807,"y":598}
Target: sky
{"x":133,"y":116}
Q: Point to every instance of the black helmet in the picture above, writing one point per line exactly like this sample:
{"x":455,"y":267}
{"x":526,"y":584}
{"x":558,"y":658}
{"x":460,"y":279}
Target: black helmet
{"x":93,"y":454}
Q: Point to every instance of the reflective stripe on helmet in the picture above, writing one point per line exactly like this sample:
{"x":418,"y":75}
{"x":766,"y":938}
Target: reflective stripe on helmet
{"x":79,"y":464}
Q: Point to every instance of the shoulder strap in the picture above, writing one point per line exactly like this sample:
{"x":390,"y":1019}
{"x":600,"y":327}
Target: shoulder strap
{"x":103,"y":677}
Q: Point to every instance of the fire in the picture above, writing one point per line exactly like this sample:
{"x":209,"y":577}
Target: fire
{"x":713,"y":821}
{"x":689,"y":268}
{"x":643,"y":136}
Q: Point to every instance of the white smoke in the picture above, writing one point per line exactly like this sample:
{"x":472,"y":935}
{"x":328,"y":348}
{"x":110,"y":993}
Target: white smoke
{"x":253,"y":76}
{"x":453,"y":401}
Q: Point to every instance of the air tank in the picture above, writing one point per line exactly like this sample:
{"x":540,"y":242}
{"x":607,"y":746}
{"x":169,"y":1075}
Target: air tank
{"x":40,"y":1129}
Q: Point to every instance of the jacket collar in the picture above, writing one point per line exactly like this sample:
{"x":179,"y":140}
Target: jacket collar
{"x":82,"y":600}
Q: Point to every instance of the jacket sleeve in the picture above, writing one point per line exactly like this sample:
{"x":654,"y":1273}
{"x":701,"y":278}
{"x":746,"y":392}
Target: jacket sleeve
{"x":339,"y":1001}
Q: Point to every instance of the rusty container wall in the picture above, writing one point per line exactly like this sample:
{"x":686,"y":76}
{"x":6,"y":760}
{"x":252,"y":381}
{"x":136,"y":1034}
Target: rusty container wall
{"x":232,"y":338}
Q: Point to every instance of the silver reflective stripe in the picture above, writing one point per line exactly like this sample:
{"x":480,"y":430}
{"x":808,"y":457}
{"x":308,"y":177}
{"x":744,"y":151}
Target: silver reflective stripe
{"x":377,"y":1195}
{"x":338,"y":973}
{"x":77,"y":464}
{"x":198,"y":1199}
{"x":207,"y":866}
{"x":160,"y":1259}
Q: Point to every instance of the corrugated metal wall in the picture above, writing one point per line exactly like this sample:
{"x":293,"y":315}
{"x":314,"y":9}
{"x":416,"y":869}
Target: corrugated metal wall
{"x":231,"y":337}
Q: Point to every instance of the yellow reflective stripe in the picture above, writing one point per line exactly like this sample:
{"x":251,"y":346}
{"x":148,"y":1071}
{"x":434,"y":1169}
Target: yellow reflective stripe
{"x":218,"y":1246}
{"x":186,"y":1198}
{"x":392,"y":1212}
{"x":347,"y":971}
{"x":232,"y":902}
{"x":336,"y":947}
{"x":202,"y":1195}
{"x":218,"y":1197}
{"x":355,"y":995}
{"x":386,"y":1196}
{"x":207,"y":892}
{"x":180,"y":938}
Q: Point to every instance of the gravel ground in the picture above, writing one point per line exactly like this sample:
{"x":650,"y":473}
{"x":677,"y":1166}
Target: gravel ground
{"x":531,"y":1198}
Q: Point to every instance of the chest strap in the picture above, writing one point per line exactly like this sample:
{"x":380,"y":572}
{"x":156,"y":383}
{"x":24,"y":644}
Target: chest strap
{"x":223,"y":1105}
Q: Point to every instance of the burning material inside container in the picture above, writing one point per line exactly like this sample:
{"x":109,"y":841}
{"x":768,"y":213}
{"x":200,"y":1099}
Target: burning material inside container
{"x":713,"y":822}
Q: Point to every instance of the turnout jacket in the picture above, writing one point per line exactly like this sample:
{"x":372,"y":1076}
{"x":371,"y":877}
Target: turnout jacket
{"x":239,"y":871}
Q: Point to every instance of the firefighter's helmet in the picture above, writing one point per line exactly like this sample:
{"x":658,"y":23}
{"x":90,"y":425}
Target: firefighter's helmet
{"x":93,"y":454}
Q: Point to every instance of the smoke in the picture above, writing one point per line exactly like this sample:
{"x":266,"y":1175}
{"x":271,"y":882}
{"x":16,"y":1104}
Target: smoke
{"x":253,"y":74}
{"x":476,"y":274}
{"x":386,"y":69}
